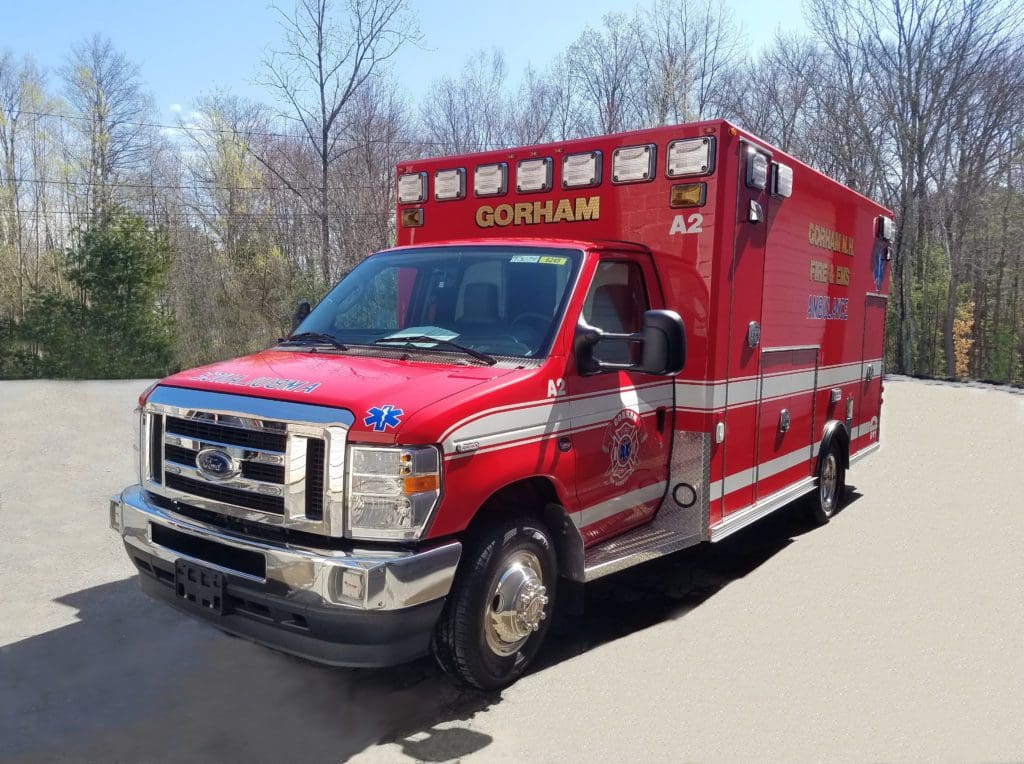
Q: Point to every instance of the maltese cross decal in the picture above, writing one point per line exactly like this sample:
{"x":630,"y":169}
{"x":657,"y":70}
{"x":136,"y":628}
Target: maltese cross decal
{"x":381,"y":418}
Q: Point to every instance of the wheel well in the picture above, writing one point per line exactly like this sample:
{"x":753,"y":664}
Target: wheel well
{"x":835,"y":432}
{"x":537,"y":497}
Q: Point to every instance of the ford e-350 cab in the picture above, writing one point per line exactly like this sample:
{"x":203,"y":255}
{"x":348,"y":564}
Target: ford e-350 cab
{"x":581,"y":356}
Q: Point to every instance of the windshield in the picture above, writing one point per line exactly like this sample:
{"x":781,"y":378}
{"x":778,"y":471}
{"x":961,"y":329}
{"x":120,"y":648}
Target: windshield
{"x":493,"y":301}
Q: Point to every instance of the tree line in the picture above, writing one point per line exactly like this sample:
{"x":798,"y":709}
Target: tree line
{"x":131,"y":246}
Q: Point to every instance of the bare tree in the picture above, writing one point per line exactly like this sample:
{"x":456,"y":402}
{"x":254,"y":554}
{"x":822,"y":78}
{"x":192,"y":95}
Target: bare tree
{"x":468,"y":112}
{"x":328,"y":55}
{"x":907,"y":64}
{"x":110,"y":110}
{"x":686,"y":52}
{"x":604,"y":65}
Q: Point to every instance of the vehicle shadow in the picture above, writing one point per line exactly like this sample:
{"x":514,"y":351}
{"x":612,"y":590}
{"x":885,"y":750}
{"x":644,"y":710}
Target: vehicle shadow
{"x":133,"y":680}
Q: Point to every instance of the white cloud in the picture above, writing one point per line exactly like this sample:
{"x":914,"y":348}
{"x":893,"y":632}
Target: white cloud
{"x":175,"y":107}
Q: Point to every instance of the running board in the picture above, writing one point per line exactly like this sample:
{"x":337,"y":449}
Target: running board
{"x":866,"y":451}
{"x":741,"y":519}
{"x":657,"y":538}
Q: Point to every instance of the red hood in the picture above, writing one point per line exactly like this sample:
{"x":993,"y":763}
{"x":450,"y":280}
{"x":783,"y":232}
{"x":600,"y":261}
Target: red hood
{"x":364,"y":386}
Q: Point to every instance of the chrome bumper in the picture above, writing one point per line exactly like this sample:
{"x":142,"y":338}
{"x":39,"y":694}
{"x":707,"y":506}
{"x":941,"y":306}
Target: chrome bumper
{"x":318,"y":578}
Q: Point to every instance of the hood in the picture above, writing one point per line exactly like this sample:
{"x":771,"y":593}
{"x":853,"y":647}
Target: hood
{"x":381,"y":393}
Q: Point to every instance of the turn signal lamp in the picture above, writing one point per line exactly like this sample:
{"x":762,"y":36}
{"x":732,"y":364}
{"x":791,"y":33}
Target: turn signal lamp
{"x":688,"y":195}
{"x":412,"y":218}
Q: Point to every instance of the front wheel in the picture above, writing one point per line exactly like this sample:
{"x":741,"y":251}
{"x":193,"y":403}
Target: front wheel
{"x":826,"y":500}
{"x":499,"y":607}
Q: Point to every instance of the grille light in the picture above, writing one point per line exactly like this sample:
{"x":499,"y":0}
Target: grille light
{"x":412,"y":187}
{"x":391,"y":491}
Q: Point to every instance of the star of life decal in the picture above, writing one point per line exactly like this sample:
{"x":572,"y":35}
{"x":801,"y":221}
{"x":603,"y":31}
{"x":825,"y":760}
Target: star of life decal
{"x":380,"y":418}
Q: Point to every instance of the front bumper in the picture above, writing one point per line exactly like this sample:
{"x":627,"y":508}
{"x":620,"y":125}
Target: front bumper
{"x":339,"y":606}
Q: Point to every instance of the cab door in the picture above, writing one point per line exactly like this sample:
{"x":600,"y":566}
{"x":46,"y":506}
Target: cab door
{"x":620,"y":420}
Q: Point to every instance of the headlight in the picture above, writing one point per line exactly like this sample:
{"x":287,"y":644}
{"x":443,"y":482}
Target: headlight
{"x":391,"y":491}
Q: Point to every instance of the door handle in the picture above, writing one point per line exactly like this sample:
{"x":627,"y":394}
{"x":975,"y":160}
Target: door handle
{"x":660,"y":415}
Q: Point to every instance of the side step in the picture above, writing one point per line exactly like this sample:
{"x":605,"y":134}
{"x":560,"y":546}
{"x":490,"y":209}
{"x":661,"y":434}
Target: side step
{"x":661,"y":536}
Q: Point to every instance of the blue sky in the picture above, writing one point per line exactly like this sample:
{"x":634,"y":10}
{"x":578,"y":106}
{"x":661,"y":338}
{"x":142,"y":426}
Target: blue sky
{"x":190,"y":47}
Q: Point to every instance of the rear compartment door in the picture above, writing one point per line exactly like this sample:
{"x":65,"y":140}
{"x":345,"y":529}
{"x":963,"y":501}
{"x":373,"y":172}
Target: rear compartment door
{"x":786,"y":417}
{"x":864,"y":427}
{"x":746,"y":287}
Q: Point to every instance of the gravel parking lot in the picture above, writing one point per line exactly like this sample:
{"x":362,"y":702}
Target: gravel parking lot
{"x":894,"y":633}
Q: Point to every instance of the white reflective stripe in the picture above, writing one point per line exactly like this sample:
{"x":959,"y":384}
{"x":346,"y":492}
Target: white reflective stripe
{"x":745,"y":478}
{"x":543,"y":402}
{"x":538,"y":419}
{"x":696,"y":395}
{"x":621,"y":503}
{"x":552,"y":417}
{"x":712,"y":395}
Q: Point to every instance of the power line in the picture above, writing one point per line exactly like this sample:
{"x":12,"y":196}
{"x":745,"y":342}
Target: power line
{"x":191,"y":187}
{"x":225,"y":131}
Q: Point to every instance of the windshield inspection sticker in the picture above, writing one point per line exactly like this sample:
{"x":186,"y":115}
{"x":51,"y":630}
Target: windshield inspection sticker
{"x":524,"y":258}
{"x":380,"y":418}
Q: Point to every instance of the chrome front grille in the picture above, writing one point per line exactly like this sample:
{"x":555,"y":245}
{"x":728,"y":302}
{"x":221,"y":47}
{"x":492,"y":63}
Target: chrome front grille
{"x":271,"y":457}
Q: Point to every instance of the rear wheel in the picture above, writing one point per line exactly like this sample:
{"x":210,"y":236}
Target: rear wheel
{"x":831,"y":487}
{"x":499,"y":607}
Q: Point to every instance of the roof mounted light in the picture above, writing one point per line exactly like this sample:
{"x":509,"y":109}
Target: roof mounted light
{"x":782,"y":180}
{"x":633,"y":164}
{"x":449,"y":184}
{"x":581,"y":170}
{"x":412,"y":187}
{"x":533,"y":175}
{"x":692,"y":156}
{"x":490,"y":179}
{"x":757,"y":169}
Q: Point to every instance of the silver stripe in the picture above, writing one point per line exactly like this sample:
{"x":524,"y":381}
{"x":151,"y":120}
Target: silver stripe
{"x":613,"y":506}
{"x":557,"y":415}
{"x":712,"y":395}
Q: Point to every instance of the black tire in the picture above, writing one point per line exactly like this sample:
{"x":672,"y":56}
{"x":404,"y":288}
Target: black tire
{"x":830,"y":486}
{"x":465,"y":633}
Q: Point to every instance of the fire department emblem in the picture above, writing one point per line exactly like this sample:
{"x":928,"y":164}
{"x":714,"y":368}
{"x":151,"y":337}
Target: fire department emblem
{"x":622,"y":441}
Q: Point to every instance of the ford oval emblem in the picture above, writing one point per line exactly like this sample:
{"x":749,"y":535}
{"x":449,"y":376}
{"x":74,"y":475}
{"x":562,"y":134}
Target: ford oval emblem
{"x":216,"y":464}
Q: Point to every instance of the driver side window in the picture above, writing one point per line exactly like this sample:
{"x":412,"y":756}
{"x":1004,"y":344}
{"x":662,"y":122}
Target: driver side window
{"x":616,"y":304}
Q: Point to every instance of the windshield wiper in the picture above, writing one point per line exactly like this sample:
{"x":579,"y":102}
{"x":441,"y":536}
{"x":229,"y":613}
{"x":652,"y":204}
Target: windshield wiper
{"x":312,"y":338}
{"x":490,"y":360}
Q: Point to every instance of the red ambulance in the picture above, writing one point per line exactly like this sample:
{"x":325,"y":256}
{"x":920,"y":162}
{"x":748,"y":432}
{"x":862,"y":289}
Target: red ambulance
{"x":579,"y":357}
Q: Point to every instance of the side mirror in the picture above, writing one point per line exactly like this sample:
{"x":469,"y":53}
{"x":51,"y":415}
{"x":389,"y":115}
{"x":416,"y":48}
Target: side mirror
{"x":664,"y":343}
{"x":301,"y":311}
{"x":662,"y":340}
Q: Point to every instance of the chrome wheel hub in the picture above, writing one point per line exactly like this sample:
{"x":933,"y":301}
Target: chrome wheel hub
{"x":829,"y":483}
{"x":516,"y":606}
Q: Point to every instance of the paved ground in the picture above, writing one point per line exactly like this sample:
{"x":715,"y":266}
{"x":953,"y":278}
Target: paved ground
{"x":894,"y":633}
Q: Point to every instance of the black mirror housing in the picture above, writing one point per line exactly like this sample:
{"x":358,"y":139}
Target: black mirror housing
{"x":301,"y":311}
{"x":664,"y":343}
{"x":662,"y":339}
